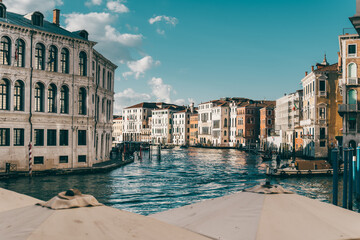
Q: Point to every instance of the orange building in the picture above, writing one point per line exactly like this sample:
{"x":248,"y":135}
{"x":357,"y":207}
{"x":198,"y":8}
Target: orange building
{"x":267,"y":124}
{"x":248,"y":122}
{"x":194,"y":131}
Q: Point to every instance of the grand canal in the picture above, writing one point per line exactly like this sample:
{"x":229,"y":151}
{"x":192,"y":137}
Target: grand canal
{"x":181,"y":177}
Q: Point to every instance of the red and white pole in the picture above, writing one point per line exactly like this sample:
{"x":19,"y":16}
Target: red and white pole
{"x":30,"y":160}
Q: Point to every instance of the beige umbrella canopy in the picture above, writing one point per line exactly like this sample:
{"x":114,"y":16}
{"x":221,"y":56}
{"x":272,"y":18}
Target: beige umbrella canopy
{"x":11,"y":200}
{"x":73,"y":215}
{"x":265,"y":212}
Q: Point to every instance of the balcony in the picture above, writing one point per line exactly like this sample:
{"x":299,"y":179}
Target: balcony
{"x":352,"y":81}
{"x":348,"y":108}
{"x":306,"y":122}
{"x":322,"y":94}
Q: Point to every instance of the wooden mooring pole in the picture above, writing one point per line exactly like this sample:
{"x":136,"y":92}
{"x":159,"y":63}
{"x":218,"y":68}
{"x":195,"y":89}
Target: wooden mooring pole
{"x":345,"y":177}
{"x":334,"y":159}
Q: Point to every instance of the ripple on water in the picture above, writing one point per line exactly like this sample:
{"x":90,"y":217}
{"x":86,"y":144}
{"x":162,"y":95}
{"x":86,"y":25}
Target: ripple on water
{"x":181,"y":177}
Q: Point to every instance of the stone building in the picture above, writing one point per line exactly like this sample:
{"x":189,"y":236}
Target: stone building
{"x":162,"y":123}
{"x":194,"y":130}
{"x":181,"y":127}
{"x":117,"y":133}
{"x":267,"y":124}
{"x":136,"y":121}
{"x":56,"y":93}
{"x":321,"y":122}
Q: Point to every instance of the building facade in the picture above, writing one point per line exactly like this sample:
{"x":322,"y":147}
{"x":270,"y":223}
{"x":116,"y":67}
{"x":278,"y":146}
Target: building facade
{"x":117,"y":133}
{"x":267,"y":125}
{"x":56,"y":94}
{"x":321,"y":122}
{"x":194,"y":130}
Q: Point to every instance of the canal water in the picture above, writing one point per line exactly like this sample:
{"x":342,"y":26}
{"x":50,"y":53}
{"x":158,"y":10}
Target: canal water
{"x":181,"y":177}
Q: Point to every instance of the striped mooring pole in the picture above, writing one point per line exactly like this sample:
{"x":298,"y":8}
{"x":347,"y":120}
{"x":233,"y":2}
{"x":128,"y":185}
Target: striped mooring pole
{"x":30,"y":160}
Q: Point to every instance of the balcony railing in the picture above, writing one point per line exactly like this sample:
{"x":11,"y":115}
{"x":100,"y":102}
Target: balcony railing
{"x":306,"y":122}
{"x":352,"y":81}
{"x":322,"y":94}
{"x":348,"y":108}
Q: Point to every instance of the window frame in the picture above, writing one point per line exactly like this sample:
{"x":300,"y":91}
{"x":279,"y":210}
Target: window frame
{"x":4,"y":94}
{"x":4,"y":137}
{"x":348,"y":50}
{"x":18,"y":136}
{"x":5,"y":50}
{"x":51,"y":137}
{"x":19,"y":95}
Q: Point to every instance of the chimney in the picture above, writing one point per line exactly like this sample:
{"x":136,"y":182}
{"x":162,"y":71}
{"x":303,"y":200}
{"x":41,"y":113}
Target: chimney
{"x":306,"y":73}
{"x":339,"y":61}
{"x":312,"y":68}
{"x":56,"y":17}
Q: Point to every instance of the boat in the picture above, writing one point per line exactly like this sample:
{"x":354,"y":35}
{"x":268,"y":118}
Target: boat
{"x":300,"y":168}
{"x":266,"y":157}
{"x":184,"y":146}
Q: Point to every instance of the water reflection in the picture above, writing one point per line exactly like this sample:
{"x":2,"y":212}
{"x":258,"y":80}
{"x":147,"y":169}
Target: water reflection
{"x":181,"y":177}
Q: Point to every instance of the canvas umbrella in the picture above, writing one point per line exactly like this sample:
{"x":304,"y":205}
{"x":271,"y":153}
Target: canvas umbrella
{"x":265,"y":212}
{"x":72,"y":215}
{"x":11,"y":200}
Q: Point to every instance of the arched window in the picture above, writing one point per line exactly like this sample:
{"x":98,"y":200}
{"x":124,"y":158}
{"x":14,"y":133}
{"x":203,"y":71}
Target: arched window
{"x":19,"y":96}
{"x":82,"y":64}
{"x":52,"y":98}
{"x":352,"y":73}
{"x":20,"y":53}
{"x":39,"y":97}
{"x":2,"y":10}
{"x":5,"y":50}
{"x":4,"y":94}
{"x":64,"y":99}
{"x":352,"y":98}
{"x":82,"y":101}
{"x":64,"y":60}
{"x":225,"y":122}
{"x":53,"y":55}
{"x":224,"y":133}
{"x":40,"y":56}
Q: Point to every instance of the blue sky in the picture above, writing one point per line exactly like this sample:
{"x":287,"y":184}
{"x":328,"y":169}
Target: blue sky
{"x":197,"y":50}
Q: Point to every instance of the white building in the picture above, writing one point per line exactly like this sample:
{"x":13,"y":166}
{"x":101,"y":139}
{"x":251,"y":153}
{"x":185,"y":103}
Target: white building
{"x":136,"y":121}
{"x":233,"y":115}
{"x":117,"y":130}
{"x":162,"y":124}
{"x":181,"y":127}
{"x":287,"y":116}
{"x":220,"y":124}
{"x":56,"y":93}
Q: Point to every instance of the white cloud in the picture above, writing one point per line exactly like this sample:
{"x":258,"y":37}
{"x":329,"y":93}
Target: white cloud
{"x":160,"y":90}
{"x":111,"y":43}
{"x":93,"y":2}
{"x":168,"y":20}
{"x":180,"y":102}
{"x":27,"y":6}
{"x":127,"y":98}
{"x":139,"y":67}
{"x":130,"y":28}
{"x":126,"y":39}
{"x":159,"y":31}
{"x":117,"y":6}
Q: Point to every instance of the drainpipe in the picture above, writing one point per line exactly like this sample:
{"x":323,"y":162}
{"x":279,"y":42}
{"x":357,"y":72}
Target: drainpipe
{"x":73,"y":106}
{"x":31,"y":76}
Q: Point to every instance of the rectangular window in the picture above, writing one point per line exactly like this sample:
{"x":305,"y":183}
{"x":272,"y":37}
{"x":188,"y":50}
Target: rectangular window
{"x":64,"y":137}
{"x":63,"y":159}
{"x":82,"y":158}
{"x":322,"y":133}
{"x":4,"y":136}
{"x":352,"y":50}
{"x":38,"y":160}
{"x":322,"y":114}
{"x":322,"y":86}
{"x":81,"y":137}
{"x":18,"y":137}
{"x":51,"y":137}
{"x":39,"y":137}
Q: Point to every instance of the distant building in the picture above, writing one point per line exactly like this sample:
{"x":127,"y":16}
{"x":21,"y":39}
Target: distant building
{"x":162,"y":123}
{"x":117,"y":133}
{"x":136,"y":121}
{"x":181,"y":127}
{"x":194,"y":130}
{"x":220,"y":124}
{"x":267,"y":124}
{"x":321,"y":122}
{"x":56,"y":92}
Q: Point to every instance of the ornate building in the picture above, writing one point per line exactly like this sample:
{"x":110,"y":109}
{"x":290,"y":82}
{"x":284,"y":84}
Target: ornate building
{"x":56,"y":93}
